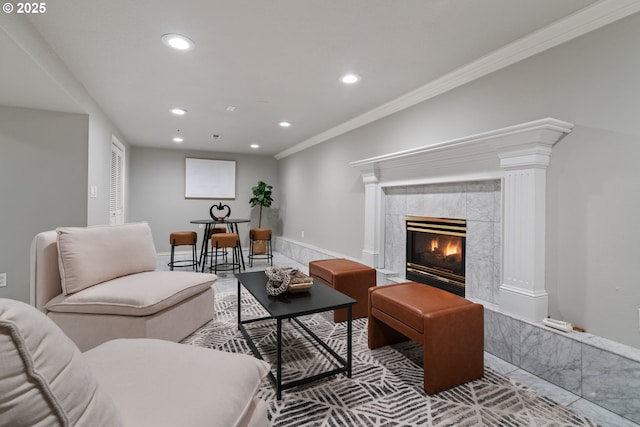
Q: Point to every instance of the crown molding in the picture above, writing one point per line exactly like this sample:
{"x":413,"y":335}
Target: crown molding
{"x":577,"y":24}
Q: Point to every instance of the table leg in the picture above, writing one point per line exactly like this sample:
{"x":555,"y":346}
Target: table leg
{"x":234,"y":229}
{"x":205,"y":246}
{"x":239,"y":308}
{"x":349,"y":348}
{"x":279,"y":359}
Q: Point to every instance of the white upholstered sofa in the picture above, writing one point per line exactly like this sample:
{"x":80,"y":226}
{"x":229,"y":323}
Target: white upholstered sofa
{"x":46,"y":381}
{"x":98,"y":283}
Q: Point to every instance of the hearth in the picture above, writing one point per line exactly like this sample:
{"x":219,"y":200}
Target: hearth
{"x":436,"y":252}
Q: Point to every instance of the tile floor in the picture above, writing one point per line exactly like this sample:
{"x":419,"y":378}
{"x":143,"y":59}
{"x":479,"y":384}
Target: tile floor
{"x":227,"y":283}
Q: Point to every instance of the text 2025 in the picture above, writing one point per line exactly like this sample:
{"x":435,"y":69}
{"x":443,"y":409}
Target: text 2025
{"x":31,"y":7}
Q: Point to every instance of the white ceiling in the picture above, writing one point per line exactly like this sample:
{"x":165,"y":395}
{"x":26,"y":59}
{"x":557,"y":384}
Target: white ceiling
{"x":272,"y":59}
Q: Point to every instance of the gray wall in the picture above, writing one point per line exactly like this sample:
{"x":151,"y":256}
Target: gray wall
{"x":48,"y":159}
{"x":70,"y":96}
{"x":323,"y":197}
{"x":43,"y":184}
{"x":101,"y":132}
{"x":156,"y":184}
{"x":593,"y":177}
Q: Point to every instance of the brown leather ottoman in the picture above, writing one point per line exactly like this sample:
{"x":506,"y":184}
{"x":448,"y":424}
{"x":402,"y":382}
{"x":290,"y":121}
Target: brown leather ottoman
{"x":450,"y":328}
{"x":349,"y":277}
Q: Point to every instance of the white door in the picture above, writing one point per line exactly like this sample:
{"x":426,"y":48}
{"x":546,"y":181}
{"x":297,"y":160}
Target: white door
{"x":116,"y":194}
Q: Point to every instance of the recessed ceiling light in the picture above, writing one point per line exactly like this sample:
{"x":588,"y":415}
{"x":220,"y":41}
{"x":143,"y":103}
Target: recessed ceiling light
{"x":178,"y":139}
{"x":178,"y":41}
{"x":350,"y":78}
{"x":231,"y":107}
{"x":284,"y":124}
{"x":254,"y":146}
{"x":178,"y":111}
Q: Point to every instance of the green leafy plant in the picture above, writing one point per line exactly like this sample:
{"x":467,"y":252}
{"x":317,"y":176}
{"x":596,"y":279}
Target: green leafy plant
{"x":261,"y":197}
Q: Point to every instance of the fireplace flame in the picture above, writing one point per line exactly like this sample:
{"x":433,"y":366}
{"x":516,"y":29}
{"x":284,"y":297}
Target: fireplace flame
{"x":452,"y":248}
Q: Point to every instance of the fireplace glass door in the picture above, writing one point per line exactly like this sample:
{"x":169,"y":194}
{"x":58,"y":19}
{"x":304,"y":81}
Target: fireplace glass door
{"x":436,"y":252}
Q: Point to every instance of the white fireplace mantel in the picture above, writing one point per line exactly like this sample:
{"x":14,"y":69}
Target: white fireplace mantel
{"x":519,"y":155}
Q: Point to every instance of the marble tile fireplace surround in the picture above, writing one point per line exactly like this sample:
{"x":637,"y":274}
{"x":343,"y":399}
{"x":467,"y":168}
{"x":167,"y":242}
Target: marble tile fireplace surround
{"x":496,"y":181}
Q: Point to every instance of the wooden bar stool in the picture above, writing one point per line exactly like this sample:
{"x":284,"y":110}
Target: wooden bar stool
{"x":256,"y":235}
{"x":212,"y":230}
{"x":216,"y":230}
{"x":183,"y":238}
{"x":225,"y":241}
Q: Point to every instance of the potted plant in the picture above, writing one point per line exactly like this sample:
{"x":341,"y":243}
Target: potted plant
{"x":261,"y":197}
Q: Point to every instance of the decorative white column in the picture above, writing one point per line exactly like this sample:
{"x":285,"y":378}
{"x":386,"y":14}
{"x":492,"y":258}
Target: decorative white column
{"x":373,"y":215}
{"x":523,"y":290}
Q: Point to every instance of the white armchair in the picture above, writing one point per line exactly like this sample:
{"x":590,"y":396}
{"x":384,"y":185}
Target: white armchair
{"x":98,"y":283}
{"x":46,"y":380}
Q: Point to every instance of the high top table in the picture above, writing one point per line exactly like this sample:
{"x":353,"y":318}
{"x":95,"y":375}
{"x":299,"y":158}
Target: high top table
{"x":232,"y":225}
{"x":290,"y":306}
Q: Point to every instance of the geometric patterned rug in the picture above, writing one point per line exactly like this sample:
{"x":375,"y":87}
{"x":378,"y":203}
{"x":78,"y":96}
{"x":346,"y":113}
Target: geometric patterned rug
{"x":386,"y":384}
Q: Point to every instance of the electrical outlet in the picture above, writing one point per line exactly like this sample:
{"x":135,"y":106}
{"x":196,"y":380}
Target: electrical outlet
{"x":3,"y":280}
{"x":302,"y":234}
{"x":639,"y":318}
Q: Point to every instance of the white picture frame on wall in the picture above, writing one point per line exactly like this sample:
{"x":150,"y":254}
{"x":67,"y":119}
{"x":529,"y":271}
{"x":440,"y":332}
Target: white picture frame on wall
{"x":209,"y":179}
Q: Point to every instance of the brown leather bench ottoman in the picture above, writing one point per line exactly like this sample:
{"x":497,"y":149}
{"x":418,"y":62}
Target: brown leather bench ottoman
{"x":450,"y":328}
{"x":349,"y":277}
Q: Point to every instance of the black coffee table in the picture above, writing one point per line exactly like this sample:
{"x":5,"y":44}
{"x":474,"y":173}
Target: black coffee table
{"x":290,"y":306}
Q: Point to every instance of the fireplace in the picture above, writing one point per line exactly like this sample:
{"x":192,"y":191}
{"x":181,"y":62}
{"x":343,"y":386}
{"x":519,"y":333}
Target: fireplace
{"x":436,"y":252}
